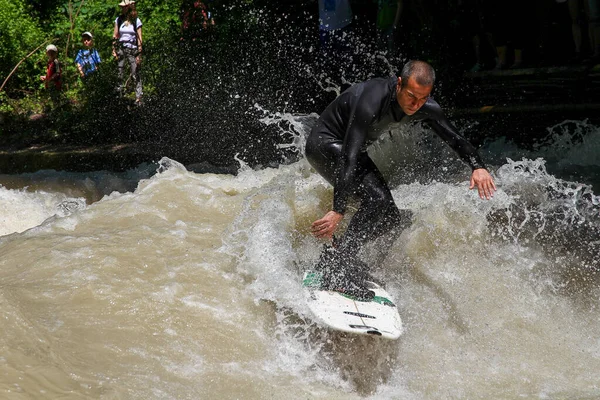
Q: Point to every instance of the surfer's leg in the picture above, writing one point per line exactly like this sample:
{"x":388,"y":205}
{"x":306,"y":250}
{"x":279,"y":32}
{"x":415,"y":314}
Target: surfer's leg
{"x":387,"y":232}
{"x":377,"y":215}
{"x":339,"y":274}
{"x":323,"y":154}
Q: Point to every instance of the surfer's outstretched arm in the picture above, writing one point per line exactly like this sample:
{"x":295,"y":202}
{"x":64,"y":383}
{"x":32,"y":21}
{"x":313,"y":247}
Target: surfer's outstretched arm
{"x":480,"y":177}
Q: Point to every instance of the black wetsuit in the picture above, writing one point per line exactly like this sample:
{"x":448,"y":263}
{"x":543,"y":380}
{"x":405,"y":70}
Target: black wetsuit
{"x":337,"y":149}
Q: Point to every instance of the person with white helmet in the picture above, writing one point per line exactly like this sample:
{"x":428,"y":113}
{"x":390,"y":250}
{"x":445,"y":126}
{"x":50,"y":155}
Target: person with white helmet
{"x":53,"y":78}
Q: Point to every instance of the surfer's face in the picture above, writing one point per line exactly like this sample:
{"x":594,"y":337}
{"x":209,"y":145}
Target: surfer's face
{"x":411,"y":96}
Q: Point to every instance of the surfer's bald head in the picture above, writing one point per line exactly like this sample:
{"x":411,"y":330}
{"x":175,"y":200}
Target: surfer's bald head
{"x":420,"y":71}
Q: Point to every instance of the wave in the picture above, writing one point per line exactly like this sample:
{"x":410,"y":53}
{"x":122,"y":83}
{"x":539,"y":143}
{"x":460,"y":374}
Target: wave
{"x":191,"y":281}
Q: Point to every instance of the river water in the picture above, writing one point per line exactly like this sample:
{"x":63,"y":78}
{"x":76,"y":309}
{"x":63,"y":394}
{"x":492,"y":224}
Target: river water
{"x":161,"y":283}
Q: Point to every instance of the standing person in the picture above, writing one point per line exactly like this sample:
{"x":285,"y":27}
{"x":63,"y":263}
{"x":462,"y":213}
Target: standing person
{"x":336,"y":148}
{"x":335,"y":23}
{"x":576,"y":10}
{"x":87,"y":59}
{"x":127,"y":45}
{"x":388,"y":18}
{"x":476,"y":16}
{"x":196,"y":18}
{"x":335,"y":17}
{"x":585,"y":13}
{"x":593,"y":9}
{"x":53,"y":78}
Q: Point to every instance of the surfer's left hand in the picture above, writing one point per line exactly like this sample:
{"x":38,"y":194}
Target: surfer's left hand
{"x":484,"y":182}
{"x":326,"y":226}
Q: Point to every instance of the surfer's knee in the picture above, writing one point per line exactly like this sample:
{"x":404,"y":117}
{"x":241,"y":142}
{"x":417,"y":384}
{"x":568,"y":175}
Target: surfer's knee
{"x":311,"y":150}
{"x":323,"y":156}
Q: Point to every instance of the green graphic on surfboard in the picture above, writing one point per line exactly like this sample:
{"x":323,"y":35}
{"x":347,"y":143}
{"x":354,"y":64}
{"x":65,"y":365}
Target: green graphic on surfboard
{"x":377,"y":316}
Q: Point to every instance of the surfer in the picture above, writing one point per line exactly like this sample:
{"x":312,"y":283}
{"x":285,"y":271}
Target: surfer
{"x":337,"y":150}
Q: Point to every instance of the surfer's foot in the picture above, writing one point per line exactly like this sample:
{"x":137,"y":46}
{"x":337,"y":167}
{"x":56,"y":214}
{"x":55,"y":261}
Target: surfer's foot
{"x":331,"y":260}
{"x":347,"y":287}
{"x":358,"y":290}
{"x":328,"y":259}
{"x":343,"y":274}
{"x":343,"y":281}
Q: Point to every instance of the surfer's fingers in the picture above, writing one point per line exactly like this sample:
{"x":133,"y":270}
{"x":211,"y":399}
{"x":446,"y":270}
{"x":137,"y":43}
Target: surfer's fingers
{"x":480,"y":191}
{"x":488,"y":190}
{"x":319,"y":223}
{"x":322,"y":233}
{"x":316,"y":229}
{"x":491,"y":189}
{"x":317,"y":233}
{"x":490,"y":186}
{"x":321,"y":228}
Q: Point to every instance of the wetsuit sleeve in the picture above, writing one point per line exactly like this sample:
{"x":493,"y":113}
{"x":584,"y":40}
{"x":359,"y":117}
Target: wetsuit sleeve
{"x":444,"y":129}
{"x":360,"y":117}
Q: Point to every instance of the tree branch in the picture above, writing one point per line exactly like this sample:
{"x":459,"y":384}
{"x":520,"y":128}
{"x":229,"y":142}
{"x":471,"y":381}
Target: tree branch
{"x":23,"y":59}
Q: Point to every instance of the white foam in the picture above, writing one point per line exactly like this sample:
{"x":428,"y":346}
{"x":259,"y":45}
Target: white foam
{"x":21,"y":210}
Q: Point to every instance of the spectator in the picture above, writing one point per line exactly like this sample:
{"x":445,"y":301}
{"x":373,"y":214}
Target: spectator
{"x":388,"y":17}
{"x":576,"y":13}
{"x":53,"y":78}
{"x":512,"y":33}
{"x":545,"y":49}
{"x":474,"y":21}
{"x":594,"y":19}
{"x":87,"y":59}
{"x":195,"y":19}
{"x":335,"y":18}
{"x":127,"y":45}
{"x":585,"y":14}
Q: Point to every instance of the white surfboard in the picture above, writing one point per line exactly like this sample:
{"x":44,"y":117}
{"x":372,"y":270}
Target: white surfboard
{"x":378,"y":317}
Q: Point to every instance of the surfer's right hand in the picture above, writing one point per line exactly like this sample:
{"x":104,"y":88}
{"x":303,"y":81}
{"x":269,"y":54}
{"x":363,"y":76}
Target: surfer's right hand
{"x":326,"y":226}
{"x":484,"y":182}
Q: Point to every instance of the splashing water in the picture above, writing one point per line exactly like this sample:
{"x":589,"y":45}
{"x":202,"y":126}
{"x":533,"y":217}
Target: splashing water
{"x":188,"y":285}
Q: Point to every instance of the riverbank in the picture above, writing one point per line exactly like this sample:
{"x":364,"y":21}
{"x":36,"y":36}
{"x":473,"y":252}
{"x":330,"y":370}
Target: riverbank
{"x":114,"y":157}
{"x":535,"y":98}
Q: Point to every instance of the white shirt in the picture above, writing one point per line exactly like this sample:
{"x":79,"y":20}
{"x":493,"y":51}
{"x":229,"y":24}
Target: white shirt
{"x":334,"y":14}
{"x":127,"y":34}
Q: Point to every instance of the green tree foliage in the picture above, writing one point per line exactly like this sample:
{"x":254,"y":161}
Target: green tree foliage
{"x":23,"y":27}
{"x":203,"y":93}
{"x":73,"y":17}
{"x":20,"y":33}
